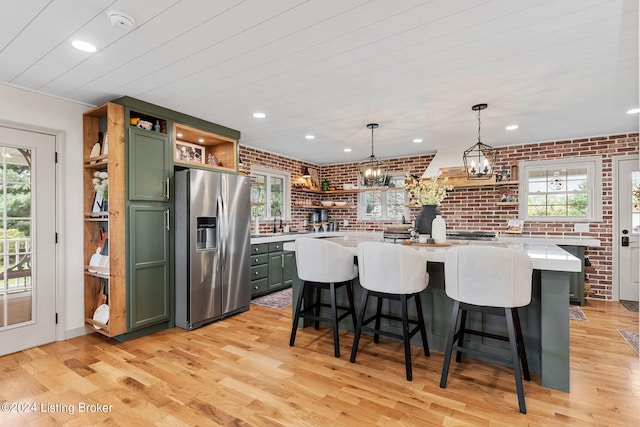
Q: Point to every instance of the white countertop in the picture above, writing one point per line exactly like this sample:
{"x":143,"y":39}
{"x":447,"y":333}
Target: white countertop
{"x":544,"y":256}
{"x":553,"y":240}
{"x":285,"y":237}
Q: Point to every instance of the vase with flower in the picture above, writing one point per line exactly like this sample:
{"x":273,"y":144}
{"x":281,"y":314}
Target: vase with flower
{"x":427,"y":193}
{"x":101,"y":185}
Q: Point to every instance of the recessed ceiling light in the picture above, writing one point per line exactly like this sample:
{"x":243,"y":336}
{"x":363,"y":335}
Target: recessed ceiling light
{"x":417,"y":140}
{"x":309,"y":137}
{"x":634,"y":111}
{"x":347,"y":150}
{"x":512,"y":127}
{"x":83,"y":46}
{"x":259,"y":115}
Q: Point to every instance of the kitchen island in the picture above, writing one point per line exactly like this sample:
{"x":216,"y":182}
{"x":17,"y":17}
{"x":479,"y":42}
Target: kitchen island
{"x":545,"y":321}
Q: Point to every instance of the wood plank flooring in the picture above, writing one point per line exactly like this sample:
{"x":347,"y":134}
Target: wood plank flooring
{"x":241,"y":371}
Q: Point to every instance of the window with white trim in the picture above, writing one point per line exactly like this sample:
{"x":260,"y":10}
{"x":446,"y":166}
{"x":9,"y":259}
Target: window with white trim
{"x":384,"y":205}
{"x":270,"y":197}
{"x":561,"y":190}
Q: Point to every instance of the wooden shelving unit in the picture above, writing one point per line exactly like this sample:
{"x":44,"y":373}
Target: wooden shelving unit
{"x":507,"y":203}
{"x":206,"y":145}
{"x":108,"y":119}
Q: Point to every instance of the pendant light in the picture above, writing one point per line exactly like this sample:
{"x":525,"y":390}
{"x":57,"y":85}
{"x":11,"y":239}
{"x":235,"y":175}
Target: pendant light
{"x":480,"y":159}
{"x":372,"y":170}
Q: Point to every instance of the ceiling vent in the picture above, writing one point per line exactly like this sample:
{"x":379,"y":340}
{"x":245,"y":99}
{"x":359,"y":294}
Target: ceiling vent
{"x":121,"y":19}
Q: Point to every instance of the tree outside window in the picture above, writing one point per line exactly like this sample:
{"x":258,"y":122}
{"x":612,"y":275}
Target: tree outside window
{"x":385,"y":205}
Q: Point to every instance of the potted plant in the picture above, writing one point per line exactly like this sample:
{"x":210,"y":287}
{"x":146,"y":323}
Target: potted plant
{"x":427,"y":193}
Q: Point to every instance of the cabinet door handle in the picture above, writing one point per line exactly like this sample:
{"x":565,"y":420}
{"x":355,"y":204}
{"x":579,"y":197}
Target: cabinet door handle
{"x":166,"y":192}
{"x":167,"y":219}
{"x":282,"y":260}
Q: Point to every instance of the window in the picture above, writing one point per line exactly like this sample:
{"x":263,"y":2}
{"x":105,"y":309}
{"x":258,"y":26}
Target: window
{"x":270,"y":196}
{"x":384,"y":205}
{"x":560,"y":190}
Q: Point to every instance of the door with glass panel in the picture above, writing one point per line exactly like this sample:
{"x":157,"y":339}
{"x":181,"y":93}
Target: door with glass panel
{"x":628,"y":227}
{"x":27,"y":239}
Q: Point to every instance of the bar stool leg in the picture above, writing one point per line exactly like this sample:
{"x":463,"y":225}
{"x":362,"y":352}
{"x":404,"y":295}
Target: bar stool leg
{"x":334,"y":320}
{"x":316,"y":304}
{"x":352,"y":306}
{"x":376,"y":335}
{"x":449,"y":348}
{"x":296,"y":314}
{"x":423,"y":329}
{"x":520,"y":340}
{"x":356,"y":338}
{"x":516,"y":359}
{"x":461,"y":331}
{"x":405,"y":337}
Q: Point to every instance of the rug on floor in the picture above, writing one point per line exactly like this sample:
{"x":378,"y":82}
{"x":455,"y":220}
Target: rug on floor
{"x":631,"y":338}
{"x":630,"y":305}
{"x":278,"y":300}
{"x":576,"y":313}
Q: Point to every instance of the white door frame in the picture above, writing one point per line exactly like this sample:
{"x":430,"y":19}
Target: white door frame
{"x":60,"y":291}
{"x":616,"y":235}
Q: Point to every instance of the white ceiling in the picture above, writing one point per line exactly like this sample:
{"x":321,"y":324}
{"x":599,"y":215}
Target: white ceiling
{"x":559,"y":69}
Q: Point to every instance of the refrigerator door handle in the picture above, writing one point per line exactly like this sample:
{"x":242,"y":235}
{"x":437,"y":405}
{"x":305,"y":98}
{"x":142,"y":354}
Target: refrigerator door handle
{"x":219,"y":238}
{"x":167,"y":193}
{"x":167,"y":219}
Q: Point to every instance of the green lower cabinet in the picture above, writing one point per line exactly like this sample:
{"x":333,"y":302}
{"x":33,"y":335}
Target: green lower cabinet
{"x":290,"y":273}
{"x":272,"y":268}
{"x":150,"y":287}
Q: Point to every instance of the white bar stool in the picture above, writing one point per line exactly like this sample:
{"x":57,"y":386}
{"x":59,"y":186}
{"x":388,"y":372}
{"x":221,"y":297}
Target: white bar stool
{"x":394,"y":272}
{"x":323,"y":265}
{"x":490,"y":280}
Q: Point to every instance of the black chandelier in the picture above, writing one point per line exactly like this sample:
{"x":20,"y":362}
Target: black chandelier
{"x":372,"y":170}
{"x":480,"y":159}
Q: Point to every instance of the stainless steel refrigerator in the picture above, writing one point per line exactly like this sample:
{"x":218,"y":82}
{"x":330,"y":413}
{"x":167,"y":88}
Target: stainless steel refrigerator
{"x":212,"y":242}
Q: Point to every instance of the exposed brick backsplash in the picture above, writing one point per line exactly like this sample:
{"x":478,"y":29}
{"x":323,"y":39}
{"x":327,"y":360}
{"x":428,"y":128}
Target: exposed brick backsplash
{"x":475,"y":208}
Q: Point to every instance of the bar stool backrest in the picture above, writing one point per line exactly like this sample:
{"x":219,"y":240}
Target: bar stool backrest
{"x":488,"y":276}
{"x":318,"y":260}
{"x":391,"y":268}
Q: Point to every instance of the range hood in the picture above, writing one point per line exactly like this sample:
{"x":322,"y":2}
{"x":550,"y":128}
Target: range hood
{"x":445,"y":160}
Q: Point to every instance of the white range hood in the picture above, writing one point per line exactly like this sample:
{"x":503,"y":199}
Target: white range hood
{"x":444,"y":159}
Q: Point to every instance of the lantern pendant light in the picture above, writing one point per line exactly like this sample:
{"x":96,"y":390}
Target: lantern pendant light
{"x":372,"y":170}
{"x":480,"y":159}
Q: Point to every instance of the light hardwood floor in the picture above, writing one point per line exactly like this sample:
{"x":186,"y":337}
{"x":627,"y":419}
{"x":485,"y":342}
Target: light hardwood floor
{"x":241,"y":371}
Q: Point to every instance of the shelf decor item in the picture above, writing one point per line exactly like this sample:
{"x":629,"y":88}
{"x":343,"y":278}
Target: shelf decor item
{"x":427,"y":193}
{"x":483,"y":154}
{"x":100,"y":185}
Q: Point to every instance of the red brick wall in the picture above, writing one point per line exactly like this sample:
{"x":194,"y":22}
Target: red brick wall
{"x":475,"y":208}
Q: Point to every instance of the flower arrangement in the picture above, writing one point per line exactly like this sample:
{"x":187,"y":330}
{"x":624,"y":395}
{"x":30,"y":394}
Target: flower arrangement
{"x":101,"y":183}
{"x":423,"y":192}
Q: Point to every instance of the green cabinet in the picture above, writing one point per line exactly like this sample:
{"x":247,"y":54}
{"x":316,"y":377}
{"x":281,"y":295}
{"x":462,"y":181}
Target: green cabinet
{"x":272,"y":268}
{"x":149,"y":214}
{"x":149,"y":165}
{"x":149,"y":262}
{"x":576,"y":283}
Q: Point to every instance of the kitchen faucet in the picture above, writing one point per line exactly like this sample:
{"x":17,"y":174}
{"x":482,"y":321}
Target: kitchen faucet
{"x":277,"y":213}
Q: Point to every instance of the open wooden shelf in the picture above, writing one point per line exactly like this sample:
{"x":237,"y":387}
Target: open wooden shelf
{"x":507,"y":203}
{"x":206,"y":144}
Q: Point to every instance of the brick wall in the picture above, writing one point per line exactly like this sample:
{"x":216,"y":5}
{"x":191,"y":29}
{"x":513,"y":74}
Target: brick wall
{"x":475,"y":208}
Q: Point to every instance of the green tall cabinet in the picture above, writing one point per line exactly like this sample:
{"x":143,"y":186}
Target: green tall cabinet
{"x":149,"y":226}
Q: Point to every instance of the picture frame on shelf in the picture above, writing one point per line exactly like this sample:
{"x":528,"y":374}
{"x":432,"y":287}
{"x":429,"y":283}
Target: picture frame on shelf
{"x":188,"y":152}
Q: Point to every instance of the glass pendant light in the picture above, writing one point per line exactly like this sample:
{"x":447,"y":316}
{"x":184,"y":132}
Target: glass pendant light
{"x":372,"y":170}
{"x":480,"y":159}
